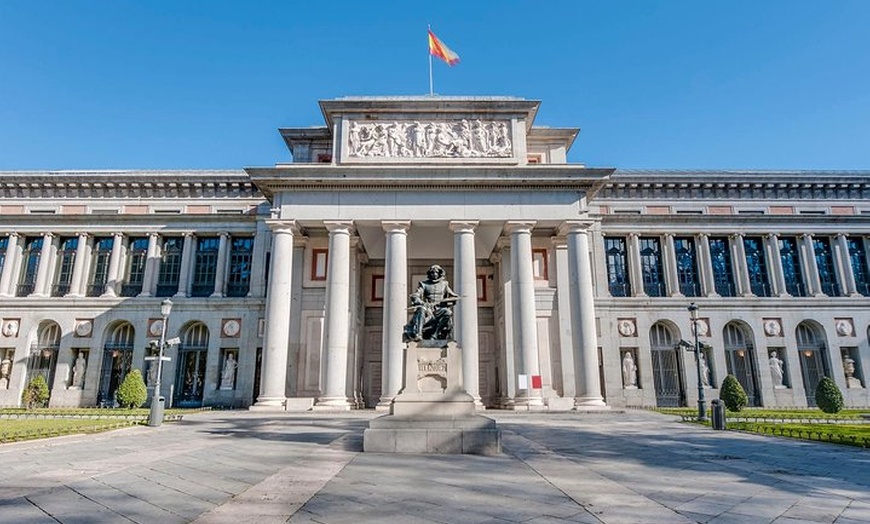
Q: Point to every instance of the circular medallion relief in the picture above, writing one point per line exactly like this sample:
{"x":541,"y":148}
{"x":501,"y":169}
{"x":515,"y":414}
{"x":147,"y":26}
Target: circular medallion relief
{"x":156,"y":327}
{"x":844,"y":328}
{"x":772,"y":327}
{"x":83,"y":328}
{"x":10,"y":328}
{"x":232,"y":327}
{"x":626,"y":327}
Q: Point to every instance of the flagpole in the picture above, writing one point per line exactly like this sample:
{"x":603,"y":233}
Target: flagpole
{"x":431,"y":85}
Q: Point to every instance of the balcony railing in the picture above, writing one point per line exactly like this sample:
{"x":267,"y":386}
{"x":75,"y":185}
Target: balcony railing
{"x":96,"y":290}
{"x":616,"y":290}
{"x":131,"y":290}
{"x":237,"y":290}
{"x":60,"y":290}
{"x":24,"y":290}
{"x":690,"y":289}
{"x":201,"y":290}
{"x":166,"y":290}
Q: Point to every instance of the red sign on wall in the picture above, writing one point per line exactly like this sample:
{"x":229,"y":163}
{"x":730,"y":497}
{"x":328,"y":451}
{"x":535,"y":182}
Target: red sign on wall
{"x":537,"y":382}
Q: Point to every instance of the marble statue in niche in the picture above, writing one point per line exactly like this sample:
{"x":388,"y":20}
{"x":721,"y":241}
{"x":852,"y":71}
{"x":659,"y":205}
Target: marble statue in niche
{"x":776,"y":371}
{"x":78,"y":371}
{"x":629,"y":371}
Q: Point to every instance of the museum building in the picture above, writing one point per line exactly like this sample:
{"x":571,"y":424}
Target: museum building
{"x":290,"y":284}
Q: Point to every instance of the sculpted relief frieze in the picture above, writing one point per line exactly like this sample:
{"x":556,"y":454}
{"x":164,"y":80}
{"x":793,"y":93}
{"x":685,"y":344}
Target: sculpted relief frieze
{"x":430,"y":139}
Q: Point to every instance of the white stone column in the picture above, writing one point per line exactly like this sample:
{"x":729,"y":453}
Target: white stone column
{"x":13,"y":253}
{"x":566,"y":336}
{"x":774,"y":265}
{"x":524,"y":309}
{"x":334,"y":391}
{"x":583,"y":315}
{"x":221,"y":270}
{"x":847,"y":273}
{"x":395,"y":309}
{"x":277,"y":340}
{"x":508,"y":373}
{"x":739,"y":266}
{"x":705,"y":266}
{"x":672,"y":278}
{"x":257,"y":286}
{"x":152,"y":263}
{"x":44,"y":267}
{"x":465,"y":285}
{"x":78,"y":277}
{"x":186,"y":265}
{"x":634,"y":266}
{"x":809,"y":266}
{"x":112,"y":279}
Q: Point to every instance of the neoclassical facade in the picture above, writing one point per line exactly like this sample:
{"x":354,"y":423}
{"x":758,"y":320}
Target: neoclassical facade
{"x":290,"y":283}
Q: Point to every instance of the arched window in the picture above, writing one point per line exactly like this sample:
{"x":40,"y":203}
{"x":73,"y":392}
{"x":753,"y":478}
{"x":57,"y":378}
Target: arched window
{"x":192,"y":356}
{"x":665,"y":366}
{"x":43,"y":355}
{"x":117,"y":361}
{"x":740,"y":359}
{"x":812,"y":354}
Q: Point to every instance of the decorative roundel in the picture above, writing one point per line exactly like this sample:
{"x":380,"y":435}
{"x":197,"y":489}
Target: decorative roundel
{"x":156,"y":327}
{"x":844,"y":328}
{"x":83,"y":328}
{"x":10,"y":328}
{"x":232,"y":327}
{"x":626,"y":328}
{"x":772,"y":327}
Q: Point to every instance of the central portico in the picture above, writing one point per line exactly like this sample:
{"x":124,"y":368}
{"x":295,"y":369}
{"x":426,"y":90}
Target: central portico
{"x":392,"y":185}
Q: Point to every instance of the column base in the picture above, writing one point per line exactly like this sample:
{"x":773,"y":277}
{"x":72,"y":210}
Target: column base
{"x":589,"y":404}
{"x":269,"y":404}
{"x":332,"y":404}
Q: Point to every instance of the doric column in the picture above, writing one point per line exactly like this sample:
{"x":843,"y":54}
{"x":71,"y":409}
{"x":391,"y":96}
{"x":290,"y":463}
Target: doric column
{"x":334,"y":390}
{"x":221,"y":270}
{"x":13,"y":253}
{"x":672,"y":279}
{"x":563,"y":298}
{"x":583,"y":315}
{"x":257,"y":286}
{"x":741,"y":269}
{"x":395,"y":309}
{"x":705,"y":266}
{"x":77,"y":285}
{"x":634,"y":266}
{"x":809,"y":266}
{"x":465,"y":282}
{"x":44,"y":268}
{"x":847,"y":274}
{"x":277,"y":339}
{"x":502,"y":259}
{"x":524,"y":313}
{"x":774,"y":264}
{"x":152,"y":263}
{"x":186,"y":265}
{"x":113,"y":278}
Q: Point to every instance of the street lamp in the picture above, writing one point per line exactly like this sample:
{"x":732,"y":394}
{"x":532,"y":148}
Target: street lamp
{"x":702,"y":401}
{"x":155,"y":416}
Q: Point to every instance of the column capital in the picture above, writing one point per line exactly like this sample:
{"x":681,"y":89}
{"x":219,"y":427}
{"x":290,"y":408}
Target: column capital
{"x":735,"y":236}
{"x":225,"y":234}
{"x":153,"y":234}
{"x":559,"y":241}
{"x":82,"y":234}
{"x":49,"y":234}
{"x":806,"y":236}
{"x":702,"y":236}
{"x":14,"y":234}
{"x":771,"y":236}
{"x":633,"y":235}
{"x":283,"y":226}
{"x":575,"y":226}
{"x":396,"y":226}
{"x":519,"y":226}
{"x":463,"y":226}
{"x":341,"y":227}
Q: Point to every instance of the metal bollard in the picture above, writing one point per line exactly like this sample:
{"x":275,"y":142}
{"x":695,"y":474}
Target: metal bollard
{"x":718,"y":414}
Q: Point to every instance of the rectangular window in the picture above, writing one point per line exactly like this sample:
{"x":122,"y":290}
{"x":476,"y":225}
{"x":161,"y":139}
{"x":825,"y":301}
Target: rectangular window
{"x":539,"y":264}
{"x":723,"y":273}
{"x":651,"y":266}
{"x":170,"y":266}
{"x":4,"y":245}
{"x":137,"y":257}
{"x":100,"y":269}
{"x":858,"y":259}
{"x":756,"y":263}
{"x":30,"y":265}
{"x":617,"y":267}
{"x":825,"y":263}
{"x":241,"y":254}
{"x":66,"y":257}
{"x":205,"y":266}
{"x":687,"y":266}
{"x":791,"y":267}
{"x":319,"y":260}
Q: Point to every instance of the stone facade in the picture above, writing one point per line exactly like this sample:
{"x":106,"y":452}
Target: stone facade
{"x":299,"y":274}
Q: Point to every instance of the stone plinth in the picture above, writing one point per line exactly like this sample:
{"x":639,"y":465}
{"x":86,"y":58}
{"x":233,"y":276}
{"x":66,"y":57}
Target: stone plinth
{"x":433,"y":414}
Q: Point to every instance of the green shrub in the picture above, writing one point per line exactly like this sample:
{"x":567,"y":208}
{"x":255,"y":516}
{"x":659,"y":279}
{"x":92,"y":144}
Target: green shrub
{"x":132,"y":392}
{"x":828,"y":396}
{"x":35,"y":395}
{"x":732,"y":394}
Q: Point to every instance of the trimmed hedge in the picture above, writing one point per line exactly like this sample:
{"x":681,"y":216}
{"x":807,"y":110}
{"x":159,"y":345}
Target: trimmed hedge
{"x":732,"y":394}
{"x":828,"y":396}
{"x":132,"y":392}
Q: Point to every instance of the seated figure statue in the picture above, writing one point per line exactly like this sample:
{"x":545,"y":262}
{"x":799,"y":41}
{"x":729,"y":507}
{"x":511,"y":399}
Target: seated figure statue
{"x":432,"y":306}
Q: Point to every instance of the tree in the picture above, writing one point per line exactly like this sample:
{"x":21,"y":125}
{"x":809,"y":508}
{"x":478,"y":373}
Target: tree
{"x":828,"y":396}
{"x":732,"y":394}
{"x":132,"y":392}
{"x":36,"y":393}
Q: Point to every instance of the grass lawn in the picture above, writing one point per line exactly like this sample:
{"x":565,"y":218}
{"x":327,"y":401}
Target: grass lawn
{"x":13,"y":430}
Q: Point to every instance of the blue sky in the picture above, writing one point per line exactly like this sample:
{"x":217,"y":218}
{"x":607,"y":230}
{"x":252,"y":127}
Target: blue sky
{"x":743,"y":84}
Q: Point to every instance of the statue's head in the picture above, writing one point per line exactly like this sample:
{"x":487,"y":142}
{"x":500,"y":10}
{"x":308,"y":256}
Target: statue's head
{"x":435,"y":272}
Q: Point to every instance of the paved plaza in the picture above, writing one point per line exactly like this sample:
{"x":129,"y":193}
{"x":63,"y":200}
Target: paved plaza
{"x":240,"y":467}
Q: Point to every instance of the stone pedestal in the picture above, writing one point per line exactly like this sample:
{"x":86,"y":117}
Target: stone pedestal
{"x":433,"y":413}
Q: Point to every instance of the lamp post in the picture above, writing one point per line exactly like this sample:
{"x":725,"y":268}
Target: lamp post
{"x":702,"y":401}
{"x":155,"y":416}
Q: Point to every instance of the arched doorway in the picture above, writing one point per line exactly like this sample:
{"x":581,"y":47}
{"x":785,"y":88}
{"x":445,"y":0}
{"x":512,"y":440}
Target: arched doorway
{"x":190,"y":377}
{"x":812,"y":355}
{"x":117,"y":361}
{"x":43,"y":355}
{"x":666,"y":366}
{"x":740,"y":359}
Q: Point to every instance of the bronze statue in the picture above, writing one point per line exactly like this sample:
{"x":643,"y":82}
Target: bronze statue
{"x":432,"y":305}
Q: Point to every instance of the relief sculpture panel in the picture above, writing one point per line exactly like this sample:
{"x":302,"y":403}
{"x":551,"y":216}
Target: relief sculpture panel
{"x":444,"y":139}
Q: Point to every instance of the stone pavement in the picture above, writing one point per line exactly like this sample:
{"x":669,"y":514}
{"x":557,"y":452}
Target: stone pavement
{"x":239,"y":467}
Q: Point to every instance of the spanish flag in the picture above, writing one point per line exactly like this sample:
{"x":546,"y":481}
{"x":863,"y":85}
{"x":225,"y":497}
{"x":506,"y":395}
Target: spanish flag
{"x":437,"y":48}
